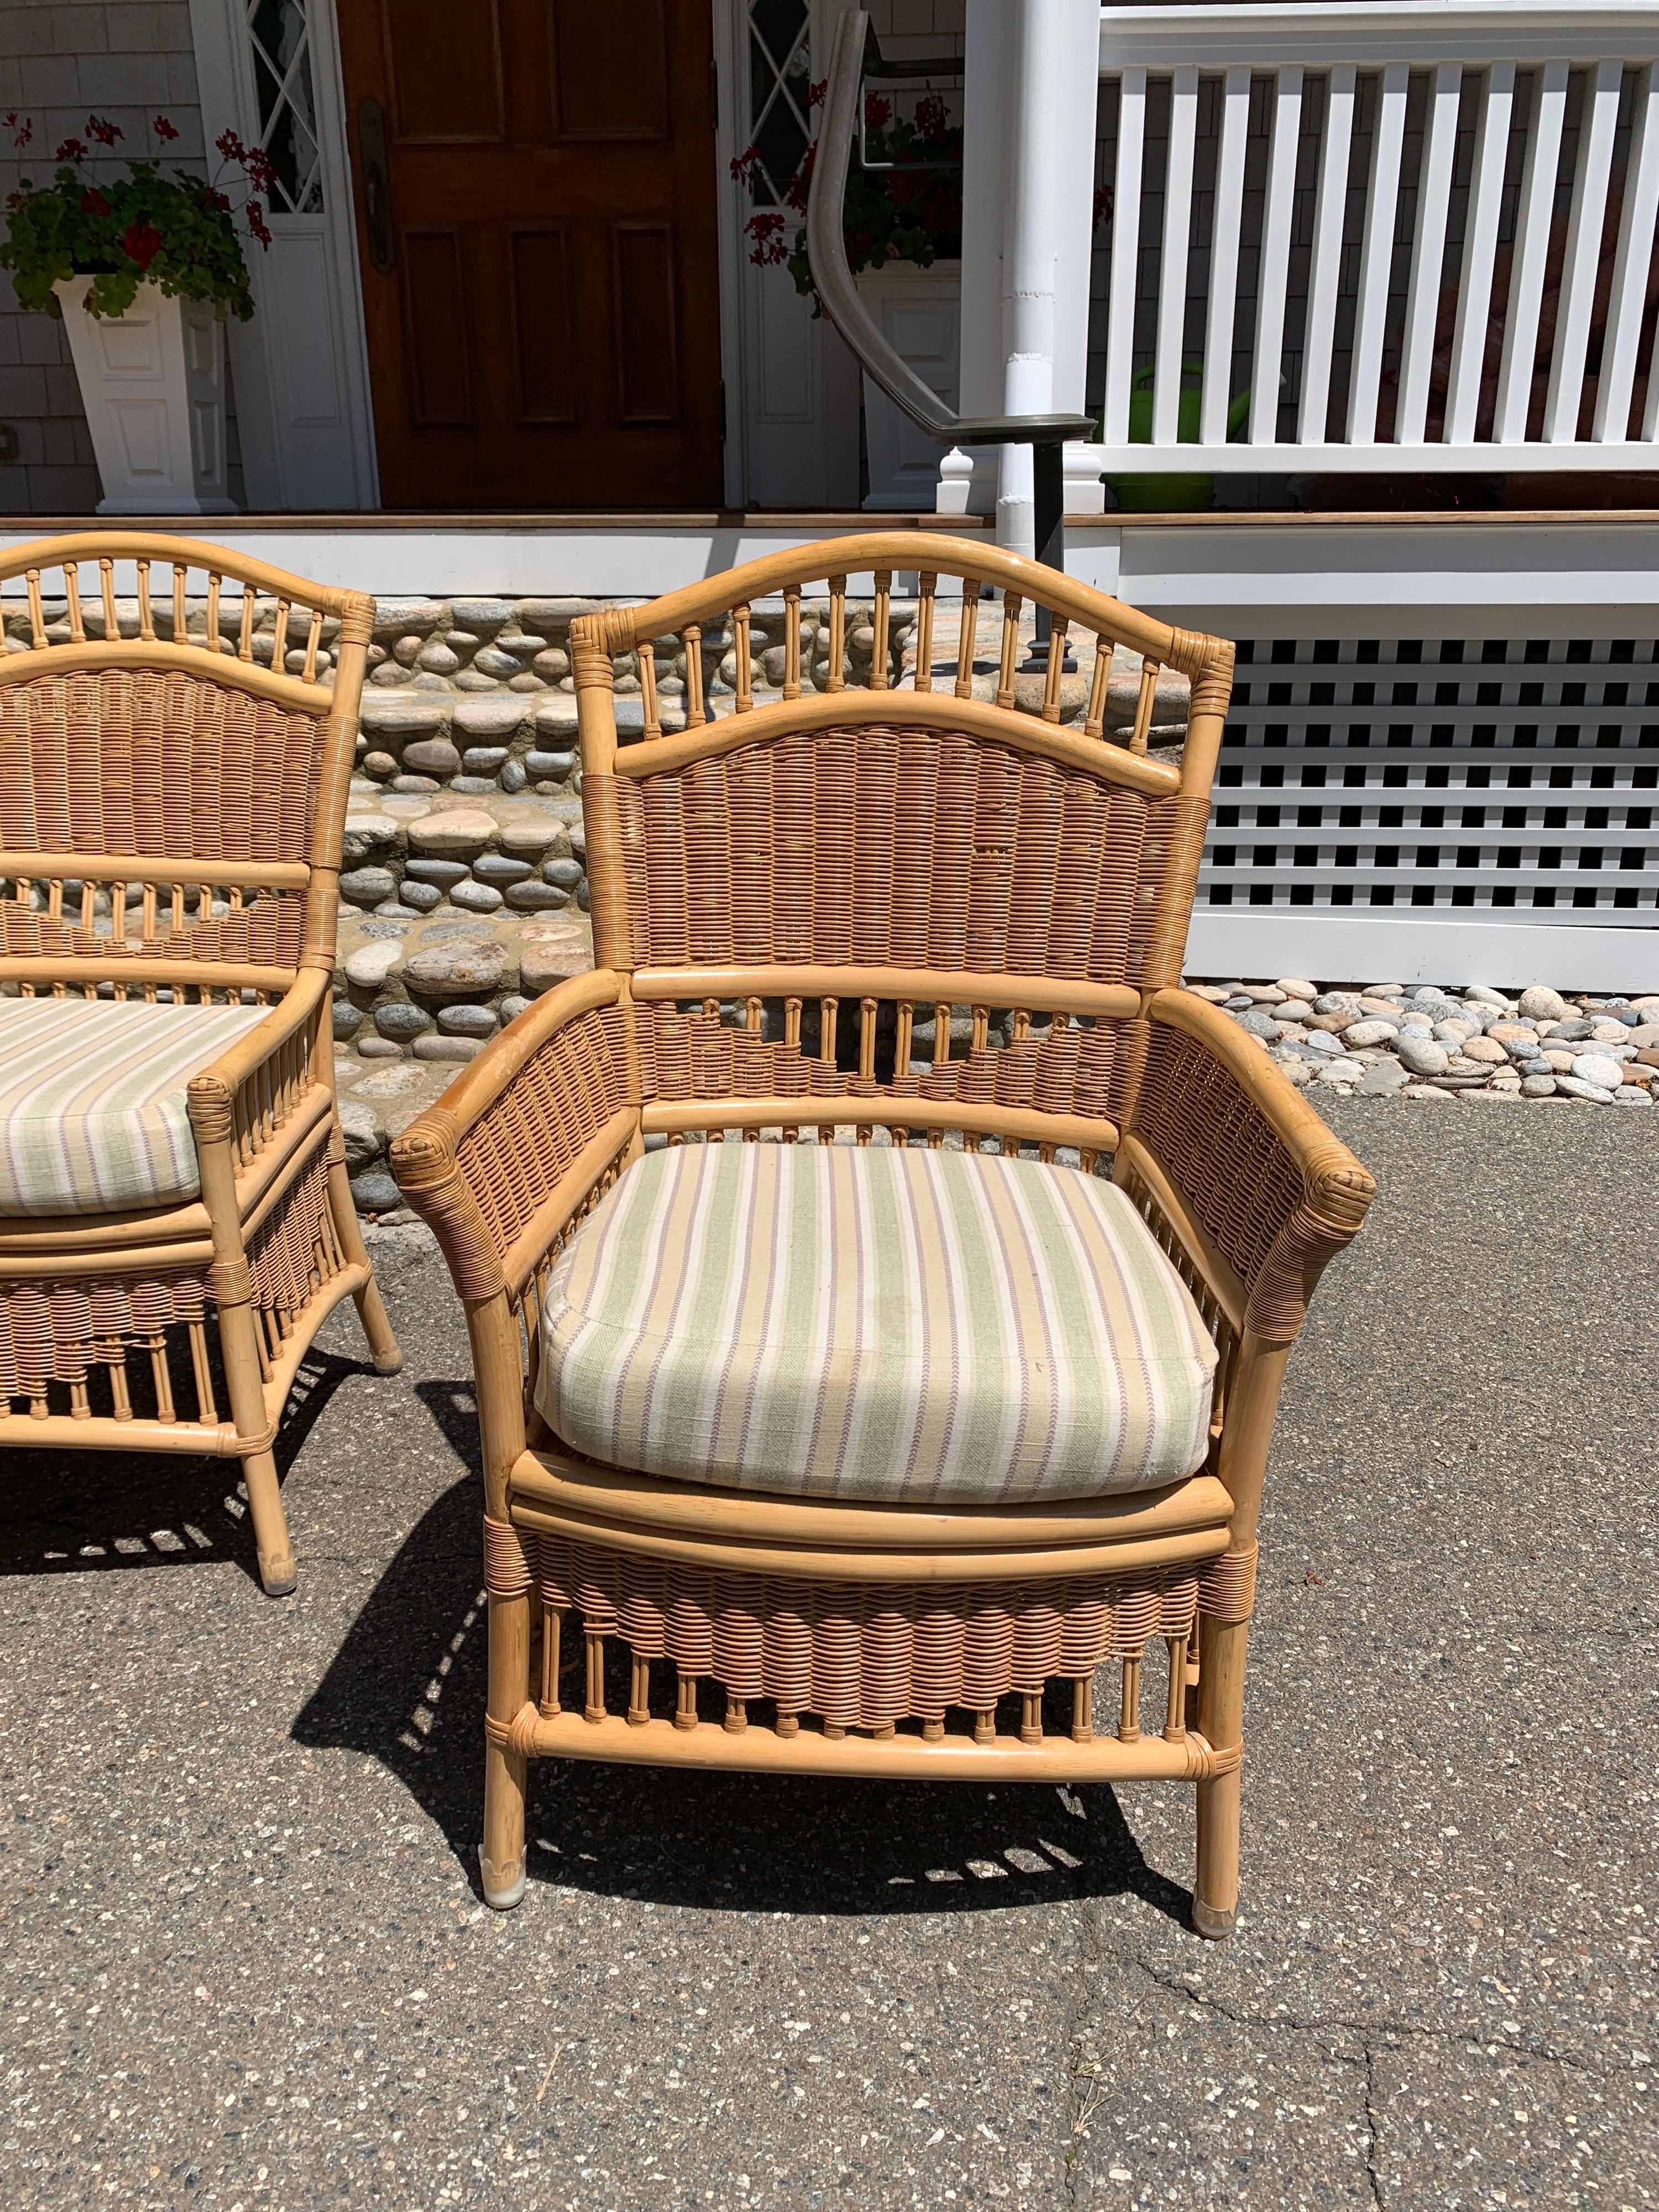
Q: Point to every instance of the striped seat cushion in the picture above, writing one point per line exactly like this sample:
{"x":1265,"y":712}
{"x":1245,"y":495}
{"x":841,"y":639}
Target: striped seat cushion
{"x":92,"y":1101}
{"x":901,"y":1324}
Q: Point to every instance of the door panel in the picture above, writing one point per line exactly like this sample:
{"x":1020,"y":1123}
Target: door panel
{"x":547,"y":333}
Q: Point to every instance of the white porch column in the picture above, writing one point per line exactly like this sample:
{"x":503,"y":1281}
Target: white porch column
{"x":1032,"y":76}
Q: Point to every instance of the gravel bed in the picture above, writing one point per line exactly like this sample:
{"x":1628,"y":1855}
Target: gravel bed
{"x":1386,"y":1039}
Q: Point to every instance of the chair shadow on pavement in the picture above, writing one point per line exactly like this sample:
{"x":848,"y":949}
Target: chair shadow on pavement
{"x":78,"y":1512}
{"x":407,"y":1687}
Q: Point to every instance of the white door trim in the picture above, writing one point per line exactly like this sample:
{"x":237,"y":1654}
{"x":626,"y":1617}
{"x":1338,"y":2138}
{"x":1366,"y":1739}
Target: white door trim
{"x":300,"y":368}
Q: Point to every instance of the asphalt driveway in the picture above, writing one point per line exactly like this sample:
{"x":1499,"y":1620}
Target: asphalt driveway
{"x":243,"y":1963}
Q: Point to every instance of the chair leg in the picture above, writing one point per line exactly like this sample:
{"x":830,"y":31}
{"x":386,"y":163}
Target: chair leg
{"x":371,"y":1311}
{"x":244,"y":1379}
{"x":1221,"y":1720}
{"x":501,"y":1855}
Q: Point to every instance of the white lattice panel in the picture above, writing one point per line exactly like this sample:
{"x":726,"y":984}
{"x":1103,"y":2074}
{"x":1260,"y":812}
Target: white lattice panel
{"x":1418,"y":778}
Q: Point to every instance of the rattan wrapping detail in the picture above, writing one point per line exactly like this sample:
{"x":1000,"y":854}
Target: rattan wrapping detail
{"x":158,"y":762}
{"x":56,"y":1332}
{"x":508,"y":1571}
{"x":915,"y":848}
{"x":862,"y":1654}
{"x":1226,"y":1586}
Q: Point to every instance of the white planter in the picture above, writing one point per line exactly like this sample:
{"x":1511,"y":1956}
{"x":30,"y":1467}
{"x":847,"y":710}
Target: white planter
{"x":920,"y":314}
{"x":152,"y":384}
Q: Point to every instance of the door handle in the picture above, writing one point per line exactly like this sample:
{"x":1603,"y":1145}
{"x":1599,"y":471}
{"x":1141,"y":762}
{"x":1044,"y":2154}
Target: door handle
{"x":377,"y":185}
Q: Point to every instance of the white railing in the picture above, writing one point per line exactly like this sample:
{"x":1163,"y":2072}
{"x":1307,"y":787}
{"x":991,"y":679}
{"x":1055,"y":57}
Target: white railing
{"x":1417,"y":236}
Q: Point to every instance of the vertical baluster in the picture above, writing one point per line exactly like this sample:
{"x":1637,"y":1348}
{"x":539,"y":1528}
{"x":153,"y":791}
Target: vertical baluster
{"x":926,"y":586}
{"x":117,"y":907}
{"x":941,"y":1033}
{"x":214,"y":642}
{"x":751,"y":1016}
{"x":1630,"y":269}
{"x":594,"y":1709}
{"x":904,"y":1019}
{"x":1428,"y":253}
{"x":1095,"y":720}
{"x":180,"y":617}
{"x":836,"y":680}
{"x":76,"y":613}
{"x":1172,"y":275}
{"x":692,"y":639}
{"x":1376,"y":256}
{"x":829,"y":1016}
{"x":552,"y":1637}
{"x":1325,"y":271}
{"x":1056,"y":668}
{"x":1083,"y":1709}
{"x":791,"y":1023}
{"x":202,"y":1367}
{"x":1530,"y":252}
{"x":1128,"y":1726}
{"x":1012,"y":603}
{"x":107,"y":584}
{"x":867,"y":1038}
{"x":37,"y":616}
{"x":652,"y":712}
{"x":314,"y":638}
{"x":880,"y":625}
{"x":791,"y":641}
{"x":685,"y":1700}
{"x":1584,"y":255}
{"x":1274,"y":264}
{"x":1125,"y":252}
{"x":1225,"y":224}
{"x":123,"y":1397}
{"x":745,"y":686}
{"x":1479,"y":254}
{"x":967,"y":638}
{"x":1030,"y":1716}
{"x":1175,"y":1718}
{"x":639,"y":1692}
{"x":1143,"y":722}
{"x":163,"y":1381}
{"x":146,"y":614}
{"x":245,"y":635}
{"x":279,"y":644}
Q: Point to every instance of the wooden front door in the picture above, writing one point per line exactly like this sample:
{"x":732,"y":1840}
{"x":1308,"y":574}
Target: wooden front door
{"x":535,"y":211}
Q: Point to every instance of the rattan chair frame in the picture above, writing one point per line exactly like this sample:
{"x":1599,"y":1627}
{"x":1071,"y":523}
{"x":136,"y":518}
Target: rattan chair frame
{"x":717,"y":861}
{"x":202,"y":793}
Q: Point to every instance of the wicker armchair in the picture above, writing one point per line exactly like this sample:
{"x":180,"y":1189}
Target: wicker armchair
{"x":931,"y":919}
{"x":175,"y":1221}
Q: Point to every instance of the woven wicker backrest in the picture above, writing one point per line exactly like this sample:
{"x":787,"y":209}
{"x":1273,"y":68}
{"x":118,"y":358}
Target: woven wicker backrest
{"x":770,"y":815}
{"x":176,"y":733}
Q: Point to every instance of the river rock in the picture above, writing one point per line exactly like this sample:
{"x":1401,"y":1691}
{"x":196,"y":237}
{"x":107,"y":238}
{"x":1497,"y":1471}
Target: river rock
{"x":1383,"y":1079}
{"x":408,"y":712}
{"x":1422,"y":1055}
{"x":365,"y":1139}
{"x":447,"y":1047}
{"x":539,"y":837}
{"x":1599,"y":1069}
{"x":1574,"y":1086}
{"x":1358,"y":1035}
{"x":368,"y":886}
{"x":567,"y":874}
{"x":502,"y":869}
{"x":470,"y":968}
{"x":1538,"y":1086}
{"x":476,"y":898}
{"x":419,"y":897}
{"x":545,"y":959}
{"x":1258,"y":1025}
{"x":1294,"y":987}
{"x":455,"y":836}
{"x":369,"y":834}
{"x":1540,"y":1003}
{"x":466,"y":1020}
{"x":375,"y":1193}
{"x":345,"y":1020}
{"x":536,"y":897}
{"x":370,"y":965}
{"x":495,"y":716}
{"x":431,"y":757}
{"x":400,"y":1022}
{"x":1485,"y":1048}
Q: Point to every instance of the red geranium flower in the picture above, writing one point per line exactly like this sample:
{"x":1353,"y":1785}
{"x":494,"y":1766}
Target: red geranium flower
{"x":143,"y":242}
{"x":93,"y":203}
{"x":72,"y":149}
{"x":20,"y":127}
{"x":163,"y":129}
{"x":103,"y":131}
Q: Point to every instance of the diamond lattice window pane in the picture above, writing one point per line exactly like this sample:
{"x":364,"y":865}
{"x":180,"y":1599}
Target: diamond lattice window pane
{"x":779,"y":80}
{"x":279,"y":38}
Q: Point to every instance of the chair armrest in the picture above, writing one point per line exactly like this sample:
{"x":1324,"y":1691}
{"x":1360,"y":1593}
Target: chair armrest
{"x":246,"y":1096}
{"x":519,"y":1142}
{"x":1271,"y":1192}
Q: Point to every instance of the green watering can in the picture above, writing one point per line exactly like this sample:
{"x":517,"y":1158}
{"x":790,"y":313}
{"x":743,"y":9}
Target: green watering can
{"x":1146,"y":495}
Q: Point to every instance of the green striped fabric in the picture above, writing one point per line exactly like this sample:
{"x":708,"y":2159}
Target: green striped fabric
{"x":835,"y":1320}
{"x":92,"y":1101}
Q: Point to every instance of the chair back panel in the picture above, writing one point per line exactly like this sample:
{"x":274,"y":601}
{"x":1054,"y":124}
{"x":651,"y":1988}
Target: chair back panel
{"x":940,"y":818}
{"x":156,"y":763}
{"x":888,"y":846}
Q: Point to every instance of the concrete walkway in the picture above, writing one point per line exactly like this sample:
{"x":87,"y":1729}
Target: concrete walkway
{"x":243,"y":1964}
